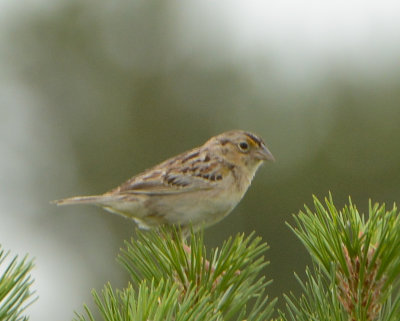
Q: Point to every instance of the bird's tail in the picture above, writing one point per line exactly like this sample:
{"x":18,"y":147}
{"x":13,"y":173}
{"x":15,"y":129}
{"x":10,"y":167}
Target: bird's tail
{"x":95,"y":199}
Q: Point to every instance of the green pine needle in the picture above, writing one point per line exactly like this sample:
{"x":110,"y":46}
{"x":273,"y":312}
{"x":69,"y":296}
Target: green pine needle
{"x":359,"y":259}
{"x":15,"y":282}
{"x":175,"y":283}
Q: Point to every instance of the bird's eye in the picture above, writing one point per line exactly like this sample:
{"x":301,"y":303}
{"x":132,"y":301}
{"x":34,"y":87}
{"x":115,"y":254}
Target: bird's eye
{"x":243,"y":146}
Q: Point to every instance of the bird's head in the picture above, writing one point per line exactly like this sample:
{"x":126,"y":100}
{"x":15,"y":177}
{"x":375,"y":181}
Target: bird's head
{"x":242,"y":148}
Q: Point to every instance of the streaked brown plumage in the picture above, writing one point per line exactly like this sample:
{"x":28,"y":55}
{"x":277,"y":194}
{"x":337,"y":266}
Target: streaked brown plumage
{"x":198,"y":187}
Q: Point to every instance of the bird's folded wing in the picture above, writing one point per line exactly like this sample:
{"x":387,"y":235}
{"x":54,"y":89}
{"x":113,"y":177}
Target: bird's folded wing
{"x":170,"y":184}
{"x":190,"y":174}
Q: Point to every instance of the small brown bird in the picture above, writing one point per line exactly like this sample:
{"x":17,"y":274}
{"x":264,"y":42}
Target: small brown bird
{"x":197,"y":188}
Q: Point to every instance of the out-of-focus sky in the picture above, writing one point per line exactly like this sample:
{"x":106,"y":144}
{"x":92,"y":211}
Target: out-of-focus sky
{"x":93,"y":92}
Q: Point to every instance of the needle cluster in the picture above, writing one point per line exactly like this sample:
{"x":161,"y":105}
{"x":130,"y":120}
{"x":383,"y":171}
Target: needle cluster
{"x":15,"y":283}
{"x":176,"y":284}
{"x":357,"y":263}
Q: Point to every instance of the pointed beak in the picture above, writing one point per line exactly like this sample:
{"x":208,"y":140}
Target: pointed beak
{"x":264,"y":154}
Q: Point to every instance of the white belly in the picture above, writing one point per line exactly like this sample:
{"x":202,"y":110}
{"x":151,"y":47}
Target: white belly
{"x":204,"y":209}
{"x":198,"y":208}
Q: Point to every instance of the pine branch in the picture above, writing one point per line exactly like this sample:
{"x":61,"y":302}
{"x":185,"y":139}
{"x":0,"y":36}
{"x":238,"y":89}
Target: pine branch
{"x":358,"y":264}
{"x":15,"y":282}
{"x":150,"y":302}
{"x":318,"y":302}
{"x":176,"y":285}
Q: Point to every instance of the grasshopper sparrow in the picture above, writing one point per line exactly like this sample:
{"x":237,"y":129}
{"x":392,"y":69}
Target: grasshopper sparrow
{"x":199,"y":187}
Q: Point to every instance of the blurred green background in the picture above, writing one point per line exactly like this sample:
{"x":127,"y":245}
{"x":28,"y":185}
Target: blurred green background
{"x":93,"y":92}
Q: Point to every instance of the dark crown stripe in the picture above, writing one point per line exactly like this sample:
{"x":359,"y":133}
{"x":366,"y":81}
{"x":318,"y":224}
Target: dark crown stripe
{"x":254,"y":138}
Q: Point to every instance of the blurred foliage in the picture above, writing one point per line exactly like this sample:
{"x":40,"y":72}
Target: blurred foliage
{"x":123,"y":85}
